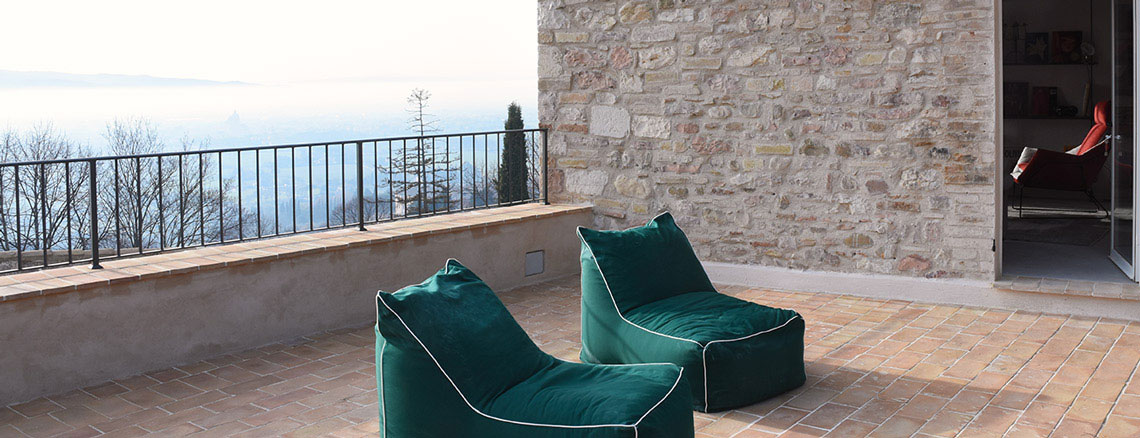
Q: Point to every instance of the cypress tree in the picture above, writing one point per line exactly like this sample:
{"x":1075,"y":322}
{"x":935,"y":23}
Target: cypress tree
{"x":511,"y":182}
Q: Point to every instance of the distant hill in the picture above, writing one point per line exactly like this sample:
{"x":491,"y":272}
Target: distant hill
{"x":29,"y":79}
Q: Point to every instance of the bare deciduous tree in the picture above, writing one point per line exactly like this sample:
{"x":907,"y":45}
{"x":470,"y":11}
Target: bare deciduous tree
{"x":50,"y":198}
{"x":420,"y":168}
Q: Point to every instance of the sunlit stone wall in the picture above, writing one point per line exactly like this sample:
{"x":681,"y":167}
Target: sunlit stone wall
{"x":852,"y":136}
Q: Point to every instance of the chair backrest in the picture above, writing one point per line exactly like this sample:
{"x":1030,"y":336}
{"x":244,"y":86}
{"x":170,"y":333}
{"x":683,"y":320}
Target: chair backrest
{"x":1099,"y":128}
{"x":459,"y":324}
{"x":644,"y":264}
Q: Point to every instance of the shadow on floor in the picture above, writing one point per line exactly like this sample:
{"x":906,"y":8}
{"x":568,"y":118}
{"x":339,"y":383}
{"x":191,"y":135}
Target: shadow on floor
{"x":855,"y":402}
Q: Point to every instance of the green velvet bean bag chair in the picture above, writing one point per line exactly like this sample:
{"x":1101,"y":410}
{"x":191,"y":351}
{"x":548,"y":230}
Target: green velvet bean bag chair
{"x":452,"y":362}
{"x":646,"y":298}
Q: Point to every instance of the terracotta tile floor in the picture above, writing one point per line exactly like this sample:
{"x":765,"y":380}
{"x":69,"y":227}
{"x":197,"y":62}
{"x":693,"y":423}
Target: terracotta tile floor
{"x":878,"y":368}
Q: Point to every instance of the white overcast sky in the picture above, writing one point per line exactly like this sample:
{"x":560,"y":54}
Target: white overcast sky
{"x":272,"y":42}
{"x":336,"y":67}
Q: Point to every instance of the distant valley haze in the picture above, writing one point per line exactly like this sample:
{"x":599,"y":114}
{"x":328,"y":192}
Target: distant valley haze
{"x":45,"y":79}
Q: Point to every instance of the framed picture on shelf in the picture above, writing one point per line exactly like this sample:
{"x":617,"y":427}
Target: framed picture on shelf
{"x":1037,"y":48}
{"x":1066,"y":47}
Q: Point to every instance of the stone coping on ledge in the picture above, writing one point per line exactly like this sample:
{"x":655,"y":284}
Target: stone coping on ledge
{"x":79,"y":277}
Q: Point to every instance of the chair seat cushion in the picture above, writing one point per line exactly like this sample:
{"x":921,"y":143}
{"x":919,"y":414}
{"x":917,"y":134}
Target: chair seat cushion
{"x":708,"y":316}
{"x":578,"y":394}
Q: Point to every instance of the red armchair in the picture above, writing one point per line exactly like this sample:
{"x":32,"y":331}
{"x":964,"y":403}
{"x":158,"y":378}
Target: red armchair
{"x":1075,"y":170}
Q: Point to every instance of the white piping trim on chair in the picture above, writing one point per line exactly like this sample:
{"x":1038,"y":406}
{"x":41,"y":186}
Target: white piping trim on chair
{"x":383,"y":411}
{"x":680,"y":374}
{"x":704,"y":347}
{"x":667,"y":394}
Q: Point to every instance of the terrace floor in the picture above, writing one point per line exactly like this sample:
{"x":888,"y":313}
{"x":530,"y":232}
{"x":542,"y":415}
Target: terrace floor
{"x":875,"y":367}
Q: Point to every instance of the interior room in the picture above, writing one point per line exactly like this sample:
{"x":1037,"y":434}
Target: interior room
{"x":1057,"y":65}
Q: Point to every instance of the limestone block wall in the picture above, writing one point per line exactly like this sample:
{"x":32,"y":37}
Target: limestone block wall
{"x":836,"y":135}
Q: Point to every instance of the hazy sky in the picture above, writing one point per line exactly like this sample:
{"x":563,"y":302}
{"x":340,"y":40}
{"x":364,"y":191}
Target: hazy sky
{"x":319,"y":69}
{"x":272,"y":42}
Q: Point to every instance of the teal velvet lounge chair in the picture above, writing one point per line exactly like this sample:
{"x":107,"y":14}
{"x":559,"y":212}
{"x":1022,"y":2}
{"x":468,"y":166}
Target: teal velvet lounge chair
{"x":646,"y":298}
{"x":452,"y":362}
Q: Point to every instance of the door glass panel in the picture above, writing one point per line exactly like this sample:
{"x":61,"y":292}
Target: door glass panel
{"x":1122,"y":127}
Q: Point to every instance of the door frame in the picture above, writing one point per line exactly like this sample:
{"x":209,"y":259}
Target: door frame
{"x":999,"y":141}
{"x":1129,"y":269}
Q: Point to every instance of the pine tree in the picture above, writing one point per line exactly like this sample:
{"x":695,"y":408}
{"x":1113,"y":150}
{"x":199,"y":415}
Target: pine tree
{"x":511,"y":183}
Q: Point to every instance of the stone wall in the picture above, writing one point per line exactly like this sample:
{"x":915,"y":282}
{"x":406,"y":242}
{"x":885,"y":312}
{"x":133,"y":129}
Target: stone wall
{"x":851,"y":136}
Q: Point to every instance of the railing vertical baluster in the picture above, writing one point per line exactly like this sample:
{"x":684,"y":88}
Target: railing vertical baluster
{"x":241,"y":211}
{"x":499,"y":165}
{"x":310,"y":166}
{"x":138,"y":203}
{"x":391,"y":199}
{"x":276,"y":199}
{"x":161,"y":216}
{"x":181,"y":204}
{"x":92,"y":184}
{"x":328,"y":196}
{"x":118,"y":215}
{"x":474,"y":172}
{"x":487,"y":191}
{"x":360,"y":183}
{"x":434,"y":204}
{"x":19,"y":226}
{"x":221,"y":203}
{"x":447,"y":168}
{"x":420,"y":174}
{"x":67,"y":207}
{"x":545,"y":174}
{"x":201,"y":199}
{"x":45,"y":239}
{"x":343,"y":188}
{"x":376,"y":180}
{"x":460,"y":173}
{"x":404,"y":180}
{"x":4,"y":212}
{"x":257,"y":186}
{"x":512,"y":195}
{"x":293,"y":186}
{"x":531,"y":190}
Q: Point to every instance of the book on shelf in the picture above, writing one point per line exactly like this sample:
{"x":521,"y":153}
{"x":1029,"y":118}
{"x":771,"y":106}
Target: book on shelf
{"x":1044,"y":101}
{"x":1015,"y":96}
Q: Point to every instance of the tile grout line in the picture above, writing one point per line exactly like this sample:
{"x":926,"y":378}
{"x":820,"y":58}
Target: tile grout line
{"x":1054,"y":375}
{"x":868,"y":373}
{"x":1128,"y":381}
{"x":989,"y":402}
{"x":1086,"y":383}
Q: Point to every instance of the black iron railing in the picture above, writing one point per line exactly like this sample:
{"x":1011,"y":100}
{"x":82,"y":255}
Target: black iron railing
{"x":85,"y":210}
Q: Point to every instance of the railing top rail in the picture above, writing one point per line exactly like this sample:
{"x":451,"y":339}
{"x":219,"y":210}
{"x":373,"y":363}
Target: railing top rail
{"x":261,"y":148}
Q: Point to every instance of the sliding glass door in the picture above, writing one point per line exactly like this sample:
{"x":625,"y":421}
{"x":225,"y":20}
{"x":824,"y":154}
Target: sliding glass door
{"x":1123,"y":162}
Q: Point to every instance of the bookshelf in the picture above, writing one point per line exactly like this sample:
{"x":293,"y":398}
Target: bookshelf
{"x":1050,"y":117}
{"x":1022,"y":64}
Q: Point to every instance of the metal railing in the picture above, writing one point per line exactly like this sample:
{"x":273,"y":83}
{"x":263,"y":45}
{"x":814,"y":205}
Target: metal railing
{"x":86,"y":210}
